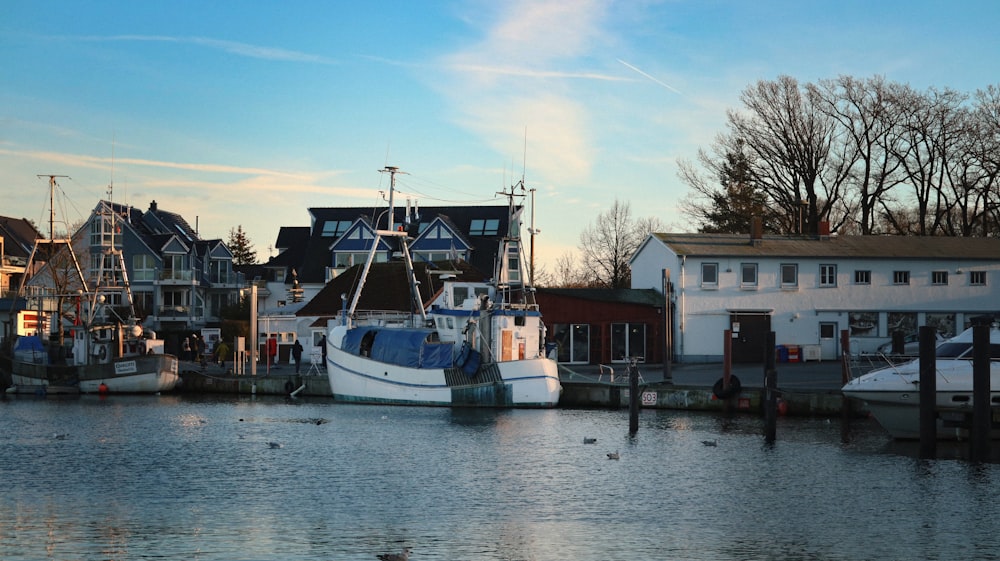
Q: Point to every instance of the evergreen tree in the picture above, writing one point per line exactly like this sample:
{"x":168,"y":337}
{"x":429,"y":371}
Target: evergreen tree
{"x":242,"y":248}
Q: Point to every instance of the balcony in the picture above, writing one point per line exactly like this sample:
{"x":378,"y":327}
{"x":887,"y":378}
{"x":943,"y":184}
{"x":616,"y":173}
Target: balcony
{"x":176,"y":277}
{"x":185,"y":314}
{"x":227,"y":280}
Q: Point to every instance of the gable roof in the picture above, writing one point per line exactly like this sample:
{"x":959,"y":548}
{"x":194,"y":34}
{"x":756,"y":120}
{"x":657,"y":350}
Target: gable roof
{"x":386,"y":287}
{"x":19,"y":236}
{"x":842,"y":247}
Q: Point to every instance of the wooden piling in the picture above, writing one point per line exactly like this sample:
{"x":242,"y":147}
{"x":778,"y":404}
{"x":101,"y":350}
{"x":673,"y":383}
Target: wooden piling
{"x":981,"y":412}
{"x":633,"y":396}
{"x":770,"y":392}
{"x":928,"y":393}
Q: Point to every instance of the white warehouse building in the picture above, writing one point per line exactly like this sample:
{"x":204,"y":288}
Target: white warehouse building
{"x":807,"y":289}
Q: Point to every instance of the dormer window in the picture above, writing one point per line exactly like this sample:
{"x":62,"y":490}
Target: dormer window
{"x":335,"y":228}
{"x":484,"y":227}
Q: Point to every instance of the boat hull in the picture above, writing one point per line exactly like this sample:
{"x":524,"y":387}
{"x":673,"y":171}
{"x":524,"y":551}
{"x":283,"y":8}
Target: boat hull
{"x":522,"y":383}
{"x":140,"y":374}
{"x":892,"y":395}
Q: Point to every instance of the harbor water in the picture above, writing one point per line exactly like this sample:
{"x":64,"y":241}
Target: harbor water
{"x":239,"y":478}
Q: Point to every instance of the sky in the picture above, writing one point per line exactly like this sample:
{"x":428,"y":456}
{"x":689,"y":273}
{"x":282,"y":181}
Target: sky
{"x":249,"y":113}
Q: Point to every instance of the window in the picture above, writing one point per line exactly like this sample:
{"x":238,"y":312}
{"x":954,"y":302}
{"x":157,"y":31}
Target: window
{"x":346,"y":259}
{"x":484,"y":227}
{"x":335,"y":228}
{"x":900,"y":277}
{"x":143,"y":267}
{"x":827,"y":275}
{"x":572,"y":342}
{"x":789,"y":275}
{"x":939,"y":278}
{"x":628,"y":340}
{"x":977,"y":278}
{"x":709,"y":274}
{"x":862,"y":277}
{"x":101,"y":230}
{"x":748,"y":275}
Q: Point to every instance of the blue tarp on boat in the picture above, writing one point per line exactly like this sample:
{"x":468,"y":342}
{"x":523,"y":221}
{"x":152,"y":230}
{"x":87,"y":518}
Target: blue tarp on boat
{"x":29,"y":343}
{"x":402,"y":346}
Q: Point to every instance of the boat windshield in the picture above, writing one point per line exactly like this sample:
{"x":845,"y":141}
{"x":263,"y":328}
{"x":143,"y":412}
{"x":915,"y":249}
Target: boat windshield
{"x":957,"y":349}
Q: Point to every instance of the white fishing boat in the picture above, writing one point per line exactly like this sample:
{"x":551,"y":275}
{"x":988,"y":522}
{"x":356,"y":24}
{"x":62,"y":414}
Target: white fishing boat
{"x":475,"y":344}
{"x":109,"y":352}
{"x":892,"y":393}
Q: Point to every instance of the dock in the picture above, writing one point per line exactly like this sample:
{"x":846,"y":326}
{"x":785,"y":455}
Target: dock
{"x":805,"y":388}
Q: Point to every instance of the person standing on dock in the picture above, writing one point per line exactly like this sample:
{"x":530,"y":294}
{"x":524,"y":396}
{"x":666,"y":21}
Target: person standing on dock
{"x":297,"y":355}
{"x":221,"y":352}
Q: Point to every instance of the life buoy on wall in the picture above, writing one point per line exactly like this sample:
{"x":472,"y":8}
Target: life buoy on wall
{"x":102,"y":352}
{"x":733,"y":389}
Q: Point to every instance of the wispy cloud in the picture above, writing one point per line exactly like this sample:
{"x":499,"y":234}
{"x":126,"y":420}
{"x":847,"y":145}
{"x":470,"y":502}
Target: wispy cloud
{"x":232,"y":47}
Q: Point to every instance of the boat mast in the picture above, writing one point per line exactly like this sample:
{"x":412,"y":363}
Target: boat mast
{"x":390,"y":232}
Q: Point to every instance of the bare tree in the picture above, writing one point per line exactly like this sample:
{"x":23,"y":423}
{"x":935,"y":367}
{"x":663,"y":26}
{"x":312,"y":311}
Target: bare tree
{"x":791,"y":143}
{"x":609,"y":242}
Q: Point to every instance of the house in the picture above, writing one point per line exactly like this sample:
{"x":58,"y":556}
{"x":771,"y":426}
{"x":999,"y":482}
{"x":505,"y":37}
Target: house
{"x":603,"y":326}
{"x":310,"y":257}
{"x":339,"y":238}
{"x":810,"y":289}
{"x":179,"y":282}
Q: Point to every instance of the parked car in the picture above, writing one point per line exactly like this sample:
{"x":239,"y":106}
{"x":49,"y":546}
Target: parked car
{"x":911,"y":344}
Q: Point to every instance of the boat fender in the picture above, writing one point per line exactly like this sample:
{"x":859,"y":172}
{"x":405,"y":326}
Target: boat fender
{"x":289,"y":387}
{"x":103,"y":388}
{"x":734,"y":388}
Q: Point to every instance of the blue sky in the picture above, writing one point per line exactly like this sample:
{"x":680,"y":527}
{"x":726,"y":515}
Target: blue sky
{"x":248,"y":113}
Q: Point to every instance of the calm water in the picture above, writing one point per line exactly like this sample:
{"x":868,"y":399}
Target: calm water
{"x":175,"y":477}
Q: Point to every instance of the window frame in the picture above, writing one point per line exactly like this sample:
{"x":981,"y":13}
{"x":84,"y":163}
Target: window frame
{"x":754,"y":271}
{"x":710,"y":266}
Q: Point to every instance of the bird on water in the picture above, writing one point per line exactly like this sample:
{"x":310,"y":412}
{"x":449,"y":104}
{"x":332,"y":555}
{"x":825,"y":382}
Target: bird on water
{"x":589,"y":440}
{"x":404,"y":556}
{"x":613,"y":455}
{"x":712,"y":442}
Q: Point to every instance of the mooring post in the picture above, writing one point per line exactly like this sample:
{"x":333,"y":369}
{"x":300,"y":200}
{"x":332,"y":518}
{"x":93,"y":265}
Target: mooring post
{"x":981,"y":414}
{"x":846,"y":407}
{"x":770,"y":391}
{"x":633,"y":397}
{"x":928,"y":394}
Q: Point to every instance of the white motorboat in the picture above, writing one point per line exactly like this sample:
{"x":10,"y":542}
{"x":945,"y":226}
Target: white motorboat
{"x":109,"y":353}
{"x":475,"y":344}
{"x":892,"y":393}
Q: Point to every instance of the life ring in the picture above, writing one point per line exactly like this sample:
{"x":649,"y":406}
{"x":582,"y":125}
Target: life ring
{"x":102,"y":352}
{"x":289,"y":387}
{"x":733,"y":389}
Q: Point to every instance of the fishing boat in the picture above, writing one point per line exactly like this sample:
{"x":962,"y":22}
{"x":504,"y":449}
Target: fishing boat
{"x":108,"y":351}
{"x":476,"y":344}
{"x":892,"y":393}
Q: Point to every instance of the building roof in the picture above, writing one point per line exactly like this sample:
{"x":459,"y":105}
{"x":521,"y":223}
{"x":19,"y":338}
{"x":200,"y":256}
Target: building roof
{"x":387,"y":286}
{"x":19,"y":236}
{"x":638,"y":296}
{"x":841,"y":247}
{"x":309,"y":251}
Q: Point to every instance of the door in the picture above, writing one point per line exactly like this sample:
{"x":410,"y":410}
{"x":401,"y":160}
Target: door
{"x":628,"y":340}
{"x":750,"y":336}
{"x":828,"y":340}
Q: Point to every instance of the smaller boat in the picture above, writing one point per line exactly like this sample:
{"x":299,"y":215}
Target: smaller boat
{"x":109,"y":353}
{"x":892,"y":393}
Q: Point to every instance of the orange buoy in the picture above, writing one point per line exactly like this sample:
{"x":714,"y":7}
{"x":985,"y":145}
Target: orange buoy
{"x":103,"y":388}
{"x":782,"y":407}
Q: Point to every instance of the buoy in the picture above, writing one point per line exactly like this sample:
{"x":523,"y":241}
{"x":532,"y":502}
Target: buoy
{"x":103,"y":388}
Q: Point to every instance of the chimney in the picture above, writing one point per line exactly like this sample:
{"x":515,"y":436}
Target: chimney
{"x":152,"y":206}
{"x":824,"y":229}
{"x":756,"y":230}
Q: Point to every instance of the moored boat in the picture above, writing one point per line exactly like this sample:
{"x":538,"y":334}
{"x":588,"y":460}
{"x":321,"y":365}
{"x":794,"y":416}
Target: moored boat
{"x":109,"y":351}
{"x":477,"y":344}
{"x":892,"y":393}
